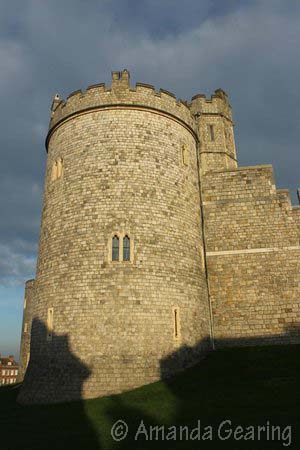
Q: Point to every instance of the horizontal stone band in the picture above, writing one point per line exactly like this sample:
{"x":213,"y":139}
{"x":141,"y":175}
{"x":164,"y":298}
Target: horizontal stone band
{"x":252,"y":250}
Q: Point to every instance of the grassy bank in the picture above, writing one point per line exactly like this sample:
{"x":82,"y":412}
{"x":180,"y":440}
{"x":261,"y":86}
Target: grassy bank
{"x":250,"y":386}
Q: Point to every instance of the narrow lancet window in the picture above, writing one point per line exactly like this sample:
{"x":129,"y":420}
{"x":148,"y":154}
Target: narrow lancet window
{"x":211,"y":132}
{"x":54,"y":171}
{"x":59,"y":168}
{"x":115,"y":248}
{"x":50,"y":323}
{"x":176,"y":323}
{"x":126,"y":248}
{"x":185,"y":155}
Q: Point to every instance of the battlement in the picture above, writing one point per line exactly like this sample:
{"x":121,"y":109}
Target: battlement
{"x":120,"y":80}
{"x":143,"y":95}
{"x":120,"y":94}
{"x":217,"y":104}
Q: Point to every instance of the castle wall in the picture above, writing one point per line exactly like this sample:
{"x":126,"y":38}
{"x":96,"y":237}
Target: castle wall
{"x":28,"y":306}
{"x":252,"y":247}
{"x":122,"y":173}
{"x":134,"y":162}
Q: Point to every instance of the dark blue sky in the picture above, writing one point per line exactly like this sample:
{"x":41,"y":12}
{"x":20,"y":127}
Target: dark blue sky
{"x":248,"y":48}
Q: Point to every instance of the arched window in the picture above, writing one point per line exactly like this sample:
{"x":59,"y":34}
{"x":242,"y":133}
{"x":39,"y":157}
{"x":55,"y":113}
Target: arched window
{"x":115,"y":248}
{"x":126,"y":248}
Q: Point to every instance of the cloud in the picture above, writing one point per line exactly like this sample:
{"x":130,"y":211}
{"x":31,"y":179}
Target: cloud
{"x":247,"y":48}
{"x":244,"y":53}
{"x":15,"y":267}
{"x":19,"y":226}
{"x":13,"y":63}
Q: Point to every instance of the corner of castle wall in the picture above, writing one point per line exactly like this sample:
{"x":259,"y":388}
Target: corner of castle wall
{"x":283,"y":196}
{"x":296,"y":216}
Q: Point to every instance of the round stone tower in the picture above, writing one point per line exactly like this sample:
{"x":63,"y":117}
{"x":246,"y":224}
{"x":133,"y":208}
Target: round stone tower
{"x":120,"y":296}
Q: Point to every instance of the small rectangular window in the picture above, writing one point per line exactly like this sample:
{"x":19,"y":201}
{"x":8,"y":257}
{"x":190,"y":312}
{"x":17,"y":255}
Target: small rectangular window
{"x":25,"y":301}
{"x":25,"y":327}
{"x":211,"y":132}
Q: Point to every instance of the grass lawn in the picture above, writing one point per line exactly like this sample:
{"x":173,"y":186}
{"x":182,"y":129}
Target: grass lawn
{"x":248,"y":386}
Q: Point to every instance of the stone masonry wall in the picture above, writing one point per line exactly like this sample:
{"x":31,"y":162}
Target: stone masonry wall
{"x":252,"y":247}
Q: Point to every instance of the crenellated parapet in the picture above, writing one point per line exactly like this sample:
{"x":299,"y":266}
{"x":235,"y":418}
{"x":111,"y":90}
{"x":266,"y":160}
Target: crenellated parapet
{"x":120,"y":95}
{"x":217,"y":104}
